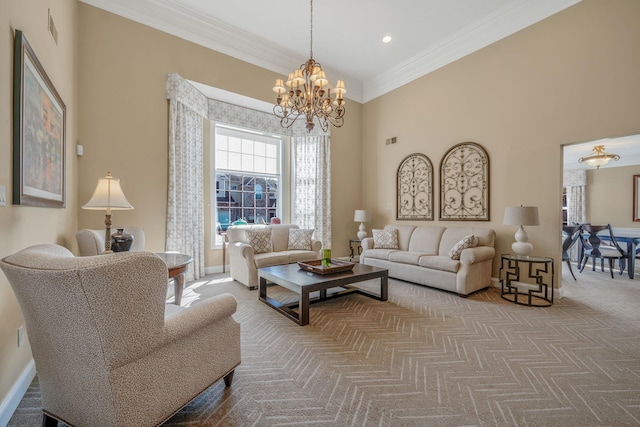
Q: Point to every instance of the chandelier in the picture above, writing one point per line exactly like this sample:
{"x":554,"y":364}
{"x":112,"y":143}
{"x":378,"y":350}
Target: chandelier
{"x":309,"y":95}
{"x":599,"y":157}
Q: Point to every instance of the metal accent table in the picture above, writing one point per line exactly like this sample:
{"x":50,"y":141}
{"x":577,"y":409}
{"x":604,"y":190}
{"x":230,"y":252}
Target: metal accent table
{"x":536,"y":291}
{"x":358,"y":246}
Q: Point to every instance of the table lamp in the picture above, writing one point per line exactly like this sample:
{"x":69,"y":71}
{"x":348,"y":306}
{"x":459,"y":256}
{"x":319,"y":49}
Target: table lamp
{"x":108,"y":196}
{"x":361,"y":216}
{"x":521,"y":215}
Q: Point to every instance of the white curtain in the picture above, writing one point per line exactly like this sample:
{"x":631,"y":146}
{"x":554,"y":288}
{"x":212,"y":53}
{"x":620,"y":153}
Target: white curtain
{"x":311,"y":193}
{"x":576,"y":184}
{"x":185,"y":199}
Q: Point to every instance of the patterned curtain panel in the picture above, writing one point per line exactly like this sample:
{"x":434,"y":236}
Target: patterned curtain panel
{"x":311,"y":193}
{"x":185,"y":199}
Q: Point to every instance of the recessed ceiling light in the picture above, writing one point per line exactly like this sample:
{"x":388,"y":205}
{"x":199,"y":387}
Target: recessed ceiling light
{"x":386,"y":39}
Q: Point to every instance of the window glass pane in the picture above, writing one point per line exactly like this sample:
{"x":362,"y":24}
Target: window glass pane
{"x":271,"y":166}
{"x":259,"y":164}
{"x":221,"y":142}
{"x":247,"y":163}
{"x":260,"y":148}
{"x":235,"y":161}
{"x":247,"y":146}
{"x":272,"y":150}
{"x":221,"y":160}
{"x":235,"y":144}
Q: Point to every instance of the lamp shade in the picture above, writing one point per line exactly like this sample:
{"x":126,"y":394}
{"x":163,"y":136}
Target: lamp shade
{"x":108,"y":195}
{"x":361,"y":215}
{"x":521,"y":215}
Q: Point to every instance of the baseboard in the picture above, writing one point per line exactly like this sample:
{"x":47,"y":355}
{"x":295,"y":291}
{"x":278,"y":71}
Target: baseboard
{"x":11,"y":402}
{"x":215,"y":270}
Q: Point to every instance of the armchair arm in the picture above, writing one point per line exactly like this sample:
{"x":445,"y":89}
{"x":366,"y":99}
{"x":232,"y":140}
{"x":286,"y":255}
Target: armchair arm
{"x":181,"y":321}
{"x":316,"y":246}
{"x":477,"y":254}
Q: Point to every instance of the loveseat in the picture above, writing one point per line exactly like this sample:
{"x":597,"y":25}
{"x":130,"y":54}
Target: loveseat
{"x":255,"y":246}
{"x":455,"y":259}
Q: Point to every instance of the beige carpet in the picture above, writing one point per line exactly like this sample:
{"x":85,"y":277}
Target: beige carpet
{"x":427,"y":358}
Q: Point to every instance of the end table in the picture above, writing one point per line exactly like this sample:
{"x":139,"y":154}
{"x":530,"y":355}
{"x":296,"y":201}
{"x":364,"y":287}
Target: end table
{"x":536,"y":288}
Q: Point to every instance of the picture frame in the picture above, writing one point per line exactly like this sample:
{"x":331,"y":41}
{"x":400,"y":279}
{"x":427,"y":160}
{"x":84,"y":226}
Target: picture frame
{"x":464,"y":183}
{"x":636,"y":198}
{"x":39,"y":132}
{"x":414,"y":196}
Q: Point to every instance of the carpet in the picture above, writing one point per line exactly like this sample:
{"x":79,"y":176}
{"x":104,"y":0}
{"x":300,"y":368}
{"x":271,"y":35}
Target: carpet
{"x":427,"y":358}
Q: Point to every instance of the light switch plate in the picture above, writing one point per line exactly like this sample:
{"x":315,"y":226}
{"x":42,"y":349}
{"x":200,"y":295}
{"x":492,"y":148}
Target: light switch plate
{"x":3,"y":195}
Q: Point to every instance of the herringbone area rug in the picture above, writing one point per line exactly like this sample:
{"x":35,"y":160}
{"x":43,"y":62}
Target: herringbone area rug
{"x":427,"y":358}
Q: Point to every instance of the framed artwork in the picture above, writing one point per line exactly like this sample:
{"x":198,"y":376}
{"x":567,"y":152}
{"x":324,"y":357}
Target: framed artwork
{"x":636,"y":198}
{"x":464,"y":183}
{"x":39,"y":132}
{"x":415,"y":188}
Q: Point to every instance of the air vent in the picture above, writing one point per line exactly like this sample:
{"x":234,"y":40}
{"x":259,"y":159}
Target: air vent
{"x":390,"y":141}
{"x":52,"y":28}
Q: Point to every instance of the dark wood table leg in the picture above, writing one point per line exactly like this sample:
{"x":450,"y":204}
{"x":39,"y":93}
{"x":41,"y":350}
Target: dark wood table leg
{"x":304,"y":307}
{"x":384,"y":288}
{"x":178,"y":287}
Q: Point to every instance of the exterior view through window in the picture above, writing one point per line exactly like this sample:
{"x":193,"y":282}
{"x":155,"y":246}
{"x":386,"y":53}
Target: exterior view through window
{"x":247,"y":177}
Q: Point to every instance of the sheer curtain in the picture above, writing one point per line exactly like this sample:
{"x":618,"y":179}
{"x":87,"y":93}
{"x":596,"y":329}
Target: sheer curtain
{"x":576,"y":184}
{"x":185,"y":199}
{"x":311,"y":192}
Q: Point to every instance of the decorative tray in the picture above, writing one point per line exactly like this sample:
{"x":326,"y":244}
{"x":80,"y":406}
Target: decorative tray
{"x":336,"y":266}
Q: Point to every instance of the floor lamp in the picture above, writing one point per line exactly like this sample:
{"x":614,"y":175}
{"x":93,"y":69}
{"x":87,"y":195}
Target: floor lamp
{"x":108,"y":196}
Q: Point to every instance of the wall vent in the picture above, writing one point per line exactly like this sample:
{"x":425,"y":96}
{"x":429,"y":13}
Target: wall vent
{"x":390,"y":141}
{"x":52,"y":28}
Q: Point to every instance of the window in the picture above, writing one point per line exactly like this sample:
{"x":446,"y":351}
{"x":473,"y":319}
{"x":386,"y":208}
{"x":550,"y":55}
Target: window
{"x":247,"y":177}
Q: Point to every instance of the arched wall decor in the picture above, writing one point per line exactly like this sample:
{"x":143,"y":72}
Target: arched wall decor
{"x":464,"y":183}
{"x":415,"y":188}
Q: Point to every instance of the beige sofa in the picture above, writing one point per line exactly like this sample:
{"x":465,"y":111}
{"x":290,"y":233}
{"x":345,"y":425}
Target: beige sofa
{"x":423,"y":257}
{"x":244,"y":262}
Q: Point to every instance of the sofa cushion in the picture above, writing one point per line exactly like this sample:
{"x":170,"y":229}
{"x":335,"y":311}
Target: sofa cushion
{"x":426,"y":239}
{"x":469,"y":241}
{"x":385,"y":239}
{"x":404,"y":234}
{"x":405,"y":257}
{"x":452,"y":235}
{"x":295,"y":256}
{"x":379,"y":253}
{"x":437,"y":262}
{"x":299,"y":239}
{"x":260,"y":240}
{"x":268,"y":259}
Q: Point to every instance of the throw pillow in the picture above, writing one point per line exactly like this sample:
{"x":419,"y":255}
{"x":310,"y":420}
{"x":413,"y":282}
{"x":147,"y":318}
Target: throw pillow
{"x":385,"y":239}
{"x":260,"y":240}
{"x":299,"y":239}
{"x":469,"y":241}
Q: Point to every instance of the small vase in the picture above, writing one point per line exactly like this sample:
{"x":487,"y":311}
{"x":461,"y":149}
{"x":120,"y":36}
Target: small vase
{"x":121,"y":241}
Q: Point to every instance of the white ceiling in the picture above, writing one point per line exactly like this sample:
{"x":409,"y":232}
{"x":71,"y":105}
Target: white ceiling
{"x":627,"y":147}
{"x":347,"y":34}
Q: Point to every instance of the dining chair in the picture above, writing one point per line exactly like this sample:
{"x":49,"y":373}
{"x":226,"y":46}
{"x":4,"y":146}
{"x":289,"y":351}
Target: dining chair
{"x":594,"y":248}
{"x":571,"y":235}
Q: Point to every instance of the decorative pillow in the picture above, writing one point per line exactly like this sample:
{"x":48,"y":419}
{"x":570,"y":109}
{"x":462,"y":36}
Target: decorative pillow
{"x":469,"y":241}
{"x":385,"y":239}
{"x":299,"y":239}
{"x":260,"y":240}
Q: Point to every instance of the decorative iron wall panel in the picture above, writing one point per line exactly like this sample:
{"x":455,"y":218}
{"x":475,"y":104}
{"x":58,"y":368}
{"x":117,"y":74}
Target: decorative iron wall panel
{"x":415,"y":188}
{"x":464,"y":183}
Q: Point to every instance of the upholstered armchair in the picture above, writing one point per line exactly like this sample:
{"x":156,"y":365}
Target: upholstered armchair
{"x":288,"y":244}
{"x":91,"y":242}
{"x":108,"y":350}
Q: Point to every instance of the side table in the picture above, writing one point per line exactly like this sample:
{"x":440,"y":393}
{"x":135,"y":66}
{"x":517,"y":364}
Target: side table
{"x":354,"y":244}
{"x":176,"y":265}
{"x":536,"y":288}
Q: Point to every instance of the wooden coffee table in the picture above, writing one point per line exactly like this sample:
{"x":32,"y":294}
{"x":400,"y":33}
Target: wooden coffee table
{"x":290,"y":276}
{"x":176,"y":264}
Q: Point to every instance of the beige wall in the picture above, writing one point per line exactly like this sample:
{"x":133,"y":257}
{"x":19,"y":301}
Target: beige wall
{"x":21,"y":226}
{"x":572,"y":77}
{"x":610,"y":196}
{"x":123,"y":121}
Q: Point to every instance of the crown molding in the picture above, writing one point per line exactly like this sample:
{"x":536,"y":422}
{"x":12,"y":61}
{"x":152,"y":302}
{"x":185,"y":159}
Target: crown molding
{"x":498,"y":25}
{"x":188,"y":24}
